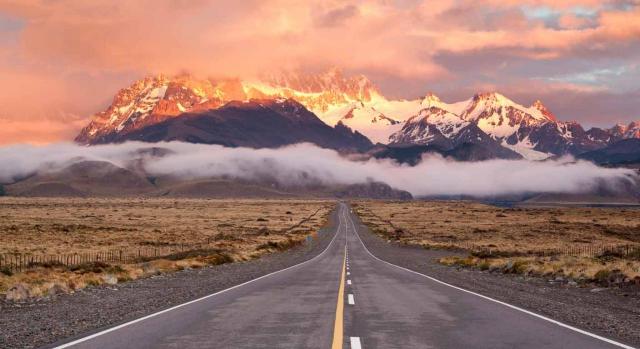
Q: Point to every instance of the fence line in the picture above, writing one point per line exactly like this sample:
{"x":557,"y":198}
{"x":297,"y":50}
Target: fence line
{"x":18,"y":262}
{"x":615,"y":250}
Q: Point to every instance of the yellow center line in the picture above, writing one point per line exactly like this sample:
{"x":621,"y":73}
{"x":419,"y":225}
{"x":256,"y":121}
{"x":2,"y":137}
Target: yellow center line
{"x":338,"y":325}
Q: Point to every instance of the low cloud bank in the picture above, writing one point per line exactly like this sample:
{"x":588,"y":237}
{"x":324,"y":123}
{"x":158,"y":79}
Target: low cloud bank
{"x":305,"y":164}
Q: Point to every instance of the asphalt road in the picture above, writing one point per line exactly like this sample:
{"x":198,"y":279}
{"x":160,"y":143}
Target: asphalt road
{"x":343,"y":298}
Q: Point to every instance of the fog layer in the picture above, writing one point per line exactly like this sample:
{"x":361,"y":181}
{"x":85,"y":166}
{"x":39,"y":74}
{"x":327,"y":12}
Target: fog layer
{"x":305,"y":163}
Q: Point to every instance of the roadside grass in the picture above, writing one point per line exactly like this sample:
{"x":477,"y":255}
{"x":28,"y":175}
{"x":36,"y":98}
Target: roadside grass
{"x":517,"y":240}
{"x":581,"y":270}
{"x":237,"y":230}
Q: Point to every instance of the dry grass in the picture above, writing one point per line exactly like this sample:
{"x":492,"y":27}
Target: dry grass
{"x":237,"y":229}
{"x":516,"y":236}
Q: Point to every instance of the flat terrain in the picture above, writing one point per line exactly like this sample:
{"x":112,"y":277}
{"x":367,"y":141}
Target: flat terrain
{"x":567,"y":241}
{"x":461,"y":224}
{"x":341,"y":296}
{"x":288,"y":305}
{"x":217,"y":230}
{"x":35,"y":322}
{"x":67,"y":225}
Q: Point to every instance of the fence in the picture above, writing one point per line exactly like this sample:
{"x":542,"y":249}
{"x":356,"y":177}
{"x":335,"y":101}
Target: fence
{"x":593,"y":250}
{"x":17,"y":262}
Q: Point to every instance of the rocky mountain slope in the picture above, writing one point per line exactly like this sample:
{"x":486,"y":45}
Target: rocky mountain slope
{"x":624,"y":152}
{"x":256,"y":123}
{"x":490,"y":124}
{"x":155,"y":99}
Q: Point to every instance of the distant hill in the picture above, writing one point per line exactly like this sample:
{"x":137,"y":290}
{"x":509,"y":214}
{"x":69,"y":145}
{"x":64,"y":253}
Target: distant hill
{"x":104,"y":179}
{"x":624,"y":152}
{"x":412,"y":154}
{"x":81,"y":179}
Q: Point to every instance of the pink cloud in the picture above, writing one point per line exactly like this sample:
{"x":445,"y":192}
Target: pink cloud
{"x":65,"y":43}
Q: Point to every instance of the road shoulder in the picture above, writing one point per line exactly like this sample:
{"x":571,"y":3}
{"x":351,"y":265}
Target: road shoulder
{"x":610,"y":313}
{"x":40,"y":322}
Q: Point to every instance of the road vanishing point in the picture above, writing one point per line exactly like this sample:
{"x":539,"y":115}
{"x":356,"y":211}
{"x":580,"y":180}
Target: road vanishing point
{"x":345,"y":297}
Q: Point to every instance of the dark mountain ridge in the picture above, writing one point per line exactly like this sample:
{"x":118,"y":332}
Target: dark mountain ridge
{"x":256,"y":124}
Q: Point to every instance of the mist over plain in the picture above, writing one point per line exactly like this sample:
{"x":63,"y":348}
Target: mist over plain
{"x":302,"y":164}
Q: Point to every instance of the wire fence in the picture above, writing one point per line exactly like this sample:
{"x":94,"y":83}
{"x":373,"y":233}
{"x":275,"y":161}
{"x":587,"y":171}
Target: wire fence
{"x":586,"y":250}
{"x":18,"y":262}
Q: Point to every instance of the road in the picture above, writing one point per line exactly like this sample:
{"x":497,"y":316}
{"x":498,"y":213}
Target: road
{"x":343,"y":298}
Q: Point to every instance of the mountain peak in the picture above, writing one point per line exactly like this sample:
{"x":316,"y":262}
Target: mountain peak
{"x":333,"y":80}
{"x":332,"y":97}
{"x":544,"y":110}
{"x":430,"y":100}
{"x":493,"y":97}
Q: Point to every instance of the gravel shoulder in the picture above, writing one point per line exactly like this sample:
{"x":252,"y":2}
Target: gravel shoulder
{"x":39,"y":323}
{"x":613,"y":313}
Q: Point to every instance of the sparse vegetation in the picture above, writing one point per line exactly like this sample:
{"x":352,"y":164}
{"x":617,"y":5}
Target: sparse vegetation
{"x":551,"y":242}
{"x":2,"y":190}
{"x":235,"y":230}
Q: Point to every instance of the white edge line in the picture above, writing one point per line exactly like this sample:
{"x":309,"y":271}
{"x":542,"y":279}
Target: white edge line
{"x":355,"y":342}
{"x":556,"y":322}
{"x":84,"y":339}
{"x":350,"y":298}
{"x":348,"y":282}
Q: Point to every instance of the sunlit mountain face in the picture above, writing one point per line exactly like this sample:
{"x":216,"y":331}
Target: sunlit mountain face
{"x":61,"y":61}
{"x":491,"y":120}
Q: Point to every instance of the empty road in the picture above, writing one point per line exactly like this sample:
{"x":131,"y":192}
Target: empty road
{"x":343,"y":298}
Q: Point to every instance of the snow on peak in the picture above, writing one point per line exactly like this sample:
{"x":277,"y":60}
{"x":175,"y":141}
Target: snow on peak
{"x":537,"y":105}
{"x":431,"y":99}
{"x":351,"y":100}
{"x":492,"y":97}
{"x":499,"y":110}
{"x":632,"y":130}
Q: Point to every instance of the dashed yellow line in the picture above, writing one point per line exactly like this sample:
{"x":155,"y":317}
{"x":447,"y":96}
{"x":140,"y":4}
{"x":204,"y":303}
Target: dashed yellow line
{"x":338,"y":325}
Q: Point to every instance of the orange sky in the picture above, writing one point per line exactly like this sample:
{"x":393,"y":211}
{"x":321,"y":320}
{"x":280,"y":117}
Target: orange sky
{"x":63,"y":60}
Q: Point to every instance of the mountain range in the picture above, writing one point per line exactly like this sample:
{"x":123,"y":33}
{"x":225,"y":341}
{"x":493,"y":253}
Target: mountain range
{"x":343,"y":113}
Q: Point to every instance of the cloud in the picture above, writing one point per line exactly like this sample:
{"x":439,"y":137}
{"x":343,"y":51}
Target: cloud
{"x":72,"y":44}
{"x":304,"y":164}
{"x":337,"y":16}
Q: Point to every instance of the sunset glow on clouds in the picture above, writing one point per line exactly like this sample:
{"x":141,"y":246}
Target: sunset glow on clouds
{"x":63,"y":60}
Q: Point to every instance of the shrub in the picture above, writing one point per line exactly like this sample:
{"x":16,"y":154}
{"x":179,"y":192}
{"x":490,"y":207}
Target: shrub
{"x":606,"y":277}
{"x":484,"y":265}
{"x":602,"y":276}
{"x":217,"y":259}
{"x":268,"y":245}
{"x":90,"y":267}
{"x":2,"y":191}
{"x":516,"y":267}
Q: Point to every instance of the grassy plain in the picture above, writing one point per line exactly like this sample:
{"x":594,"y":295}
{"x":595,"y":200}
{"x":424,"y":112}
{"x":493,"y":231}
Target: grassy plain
{"x":235,"y":230}
{"x":568,"y":242}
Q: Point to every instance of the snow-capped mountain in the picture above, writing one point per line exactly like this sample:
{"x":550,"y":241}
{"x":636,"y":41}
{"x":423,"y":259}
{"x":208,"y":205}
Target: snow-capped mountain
{"x":488,"y":120}
{"x":627,"y":131}
{"x":153,"y":100}
{"x":533,"y":132}
{"x":256,"y":123}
